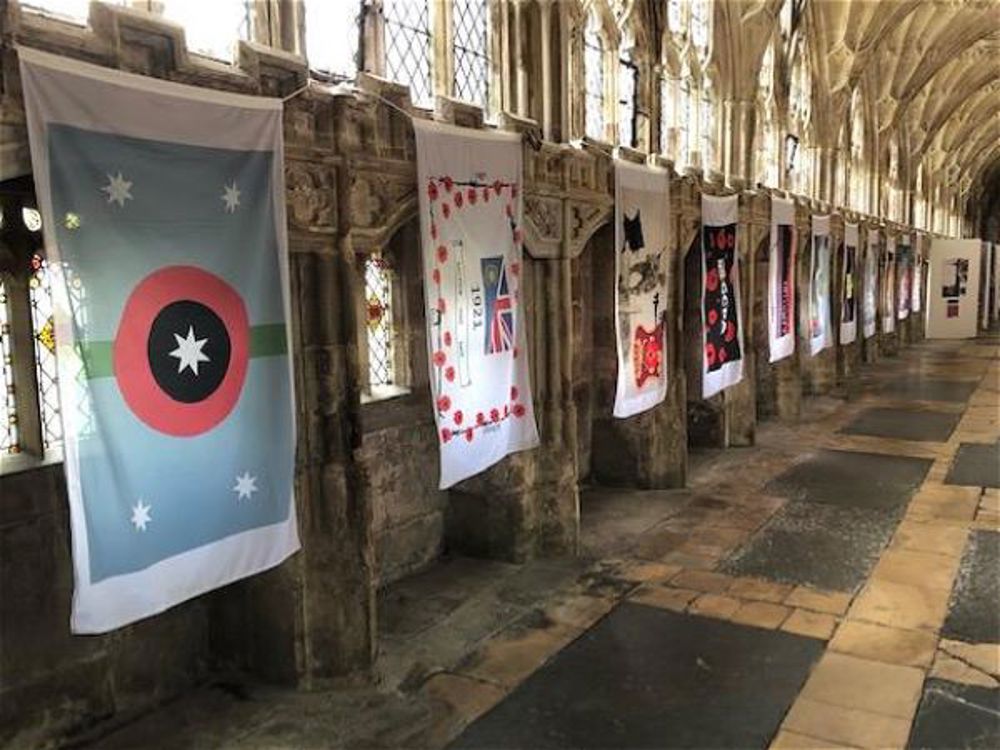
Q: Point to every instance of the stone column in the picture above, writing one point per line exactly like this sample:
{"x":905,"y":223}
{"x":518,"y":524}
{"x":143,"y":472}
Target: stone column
{"x":520,"y":59}
{"x":738,"y":122}
{"x":545,"y":12}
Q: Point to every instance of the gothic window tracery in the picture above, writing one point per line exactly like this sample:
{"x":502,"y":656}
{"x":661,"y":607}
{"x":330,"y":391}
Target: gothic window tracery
{"x":766,"y":152}
{"x":686,"y":113}
{"x":628,"y":78}
{"x":706,"y":124}
{"x":409,"y":47}
{"x":700,"y":15}
{"x":9,"y":439}
{"x":858,"y":178}
{"x":379,"y":322}
{"x":593,"y":63}
{"x":43,"y":332}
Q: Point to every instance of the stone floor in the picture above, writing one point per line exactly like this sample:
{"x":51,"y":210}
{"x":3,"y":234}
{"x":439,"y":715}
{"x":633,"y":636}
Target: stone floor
{"x":835,"y":585}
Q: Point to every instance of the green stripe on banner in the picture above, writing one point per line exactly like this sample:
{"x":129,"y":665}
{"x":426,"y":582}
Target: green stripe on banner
{"x":265,"y":341}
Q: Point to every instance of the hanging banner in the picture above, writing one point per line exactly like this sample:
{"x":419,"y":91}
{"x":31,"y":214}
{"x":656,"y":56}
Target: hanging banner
{"x":889,"y":286}
{"x":164,"y":222}
{"x":869,"y":309}
{"x":641,"y":261}
{"x":470,"y":224}
{"x":820,"y":326}
{"x":781,"y":279}
{"x":904,"y":277}
{"x":849,"y":286}
{"x":918,"y":274}
{"x":720,"y":308}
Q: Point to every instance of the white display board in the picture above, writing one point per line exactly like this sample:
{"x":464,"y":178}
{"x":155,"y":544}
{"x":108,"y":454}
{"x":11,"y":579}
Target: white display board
{"x":953,"y":288}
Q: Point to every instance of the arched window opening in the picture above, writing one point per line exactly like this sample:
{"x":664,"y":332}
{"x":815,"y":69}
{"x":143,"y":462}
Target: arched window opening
{"x":593,"y":63}
{"x":766,"y":152}
{"x":471,"y":51}
{"x":858,"y":168}
{"x":675,"y":16}
{"x":706,"y":124}
{"x":9,"y":438}
{"x":212,"y":28}
{"x":44,"y":333}
{"x":668,"y":116}
{"x":686,"y":115}
{"x":799,"y":164}
{"x":380,"y":323}
{"x":408,"y":47}
{"x":332,"y":35}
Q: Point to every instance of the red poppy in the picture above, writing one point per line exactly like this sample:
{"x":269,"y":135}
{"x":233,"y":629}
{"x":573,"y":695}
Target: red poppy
{"x":486,"y":195}
{"x":446,"y":210}
{"x":497,"y":186}
{"x":434,"y":231}
{"x":712,"y":280}
{"x":445,"y":434}
{"x":441,"y":305}
{"x":519,"y":410}
{"x":713,"y":316}
{"x":448,"y":184}
{"x":444,"y":403}
{"x":449,"y":374}
{"x":472,"y":196}
{"x":459,"y":200}
{"x":432,"y":191}
{"x":722,"y":355}
{"x":509,"y":210}
{"x":710,"y":354}
{"x":440,"y":358}
{"x":469,"y":435}
{"x":442,"y":254}
{"x":447,"y":338}
{"x":730,"y":331}
{"x":513,"y":191}
{"x":457,"y":416}
{"x":480,"y":418}
{"x":495,"y":415}
{"x":436,"y":275}
{"x":513,"y":393}
{"x":516,"y":352}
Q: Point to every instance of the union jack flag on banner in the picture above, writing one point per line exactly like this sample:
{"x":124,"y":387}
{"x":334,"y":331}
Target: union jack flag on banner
{"x":499,"y":311}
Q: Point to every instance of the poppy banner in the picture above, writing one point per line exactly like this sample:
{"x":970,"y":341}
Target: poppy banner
{"x":720,"y":308}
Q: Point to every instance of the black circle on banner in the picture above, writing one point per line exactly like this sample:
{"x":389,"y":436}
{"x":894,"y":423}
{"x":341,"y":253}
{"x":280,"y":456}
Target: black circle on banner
{"x":182,"y":335}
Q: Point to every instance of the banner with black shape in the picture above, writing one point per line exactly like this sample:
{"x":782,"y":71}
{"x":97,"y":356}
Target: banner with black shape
{"x":869,"y":309}
{"x":641,"y":261}
{"x":889,"y":286}
{"x":720,"y":308}
{"x":849,"y":286}
{"x":470,"y":224}
{"x":916,"y":297}
{"x":904,"y":277}
{"x":781,"y":280}
{"x":820,"y":327}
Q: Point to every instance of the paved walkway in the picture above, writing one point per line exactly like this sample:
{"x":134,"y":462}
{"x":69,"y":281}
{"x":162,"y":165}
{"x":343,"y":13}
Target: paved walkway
{"x":836,"y":585}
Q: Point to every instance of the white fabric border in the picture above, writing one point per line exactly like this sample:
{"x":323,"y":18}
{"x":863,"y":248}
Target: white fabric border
{"x":871,"y":286}
{"x":59,"y":90}
{"x":849,"y":331}
{"x":889,"y":310}
{"x":719,"y":211}
{"x":647,"y":180}
{"x":782,"y":213}
{"x":821,"y":228}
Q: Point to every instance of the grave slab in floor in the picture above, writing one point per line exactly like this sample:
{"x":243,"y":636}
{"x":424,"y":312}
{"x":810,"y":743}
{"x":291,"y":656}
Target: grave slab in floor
{"x":957,"y":716}
{"x":973,"y":611}
{"x":852,"y":478}
{"x":921,"y":389}
{"x":819,"y":545}
{"x":976,"y":465}
{"x":645,"y":677}
{"x":904,"y":424}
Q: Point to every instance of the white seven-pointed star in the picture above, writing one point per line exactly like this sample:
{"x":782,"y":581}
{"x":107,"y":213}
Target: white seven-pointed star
{"x":189,"y":351}
{"x":118,"y":189}
{"x":231,"y":197}
{"x":140,"y":515}
{"x":245,"y":486}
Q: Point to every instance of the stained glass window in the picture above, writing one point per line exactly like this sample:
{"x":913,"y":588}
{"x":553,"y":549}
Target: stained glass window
{"x":628,"y":76}
{"x":700,"y":23}
{"x":8,"y":412}
{"x":378,"y":296}
{"x":675,"y":15}
{"x":212,"y":27}
{"x":332,"y":33}
{"x":593,"y":64}
{"x":408,"y":47}
{"x":43,"y":328}
{"x":684,"y":121}
{"x":471,"y":22}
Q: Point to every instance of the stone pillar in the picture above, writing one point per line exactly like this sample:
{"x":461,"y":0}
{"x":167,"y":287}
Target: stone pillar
{"x":737,"y":145}
{"x":520,"y":58}
{"x":545,"y":12}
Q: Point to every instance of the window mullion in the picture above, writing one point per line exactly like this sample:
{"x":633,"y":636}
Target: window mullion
{"x":28,"y":408}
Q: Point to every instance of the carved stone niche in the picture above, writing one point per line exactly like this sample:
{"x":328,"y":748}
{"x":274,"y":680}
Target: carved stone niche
{"x":583,"y":219}
{"x":311,"y":196}
{"x":543,"y":225}
{"x":546,"y":167}
{"x":380,"y":202}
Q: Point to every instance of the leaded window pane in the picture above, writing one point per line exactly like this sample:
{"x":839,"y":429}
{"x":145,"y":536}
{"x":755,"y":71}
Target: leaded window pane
{"x":44,"y":334}
{"x":667,"y":106}
{"x":700,"y":10}
{"x":707,"y":136}
{"x":628,"y":75}
{"x":675,"y":16}
{"x":333,"y":29}
{"x":408,"y":47}
{"x":211,"y":27}
{"x":593,"y":63}
{"x":684,"y":121}
{"x":471,"y":50}
{"x":379,"y":316}
{"x":8,"y":413}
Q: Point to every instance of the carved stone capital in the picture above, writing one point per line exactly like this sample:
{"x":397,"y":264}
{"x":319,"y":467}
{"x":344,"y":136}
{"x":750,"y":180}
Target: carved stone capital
{"x":311,"y":196}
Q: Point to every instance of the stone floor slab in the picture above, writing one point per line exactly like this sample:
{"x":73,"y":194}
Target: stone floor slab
{"x":976,"y":465}
{"x":818,"y":545}
{"x":646,"y":678}
{"x":957,"y":716}
{"x":973,"y":611}
{"x":904,"y":424}
{"x":928,"y":389}
{"x":852,"y":478}
{"x":851,"y":682}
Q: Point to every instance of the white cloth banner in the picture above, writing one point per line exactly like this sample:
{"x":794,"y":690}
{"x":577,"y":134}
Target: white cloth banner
{"x":720,"y":309}
{"x":889,"y":286}
{"x":470,"y":224}
{"x":164,"y":222}
{"x":904,"y":277}
{"x":916,"y":303}
{"x":642,"y":221}
{"x":849,"y":286}
{"x":820,"y":326}
{"x":870,"y":307}
{"x":781,"y":279}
